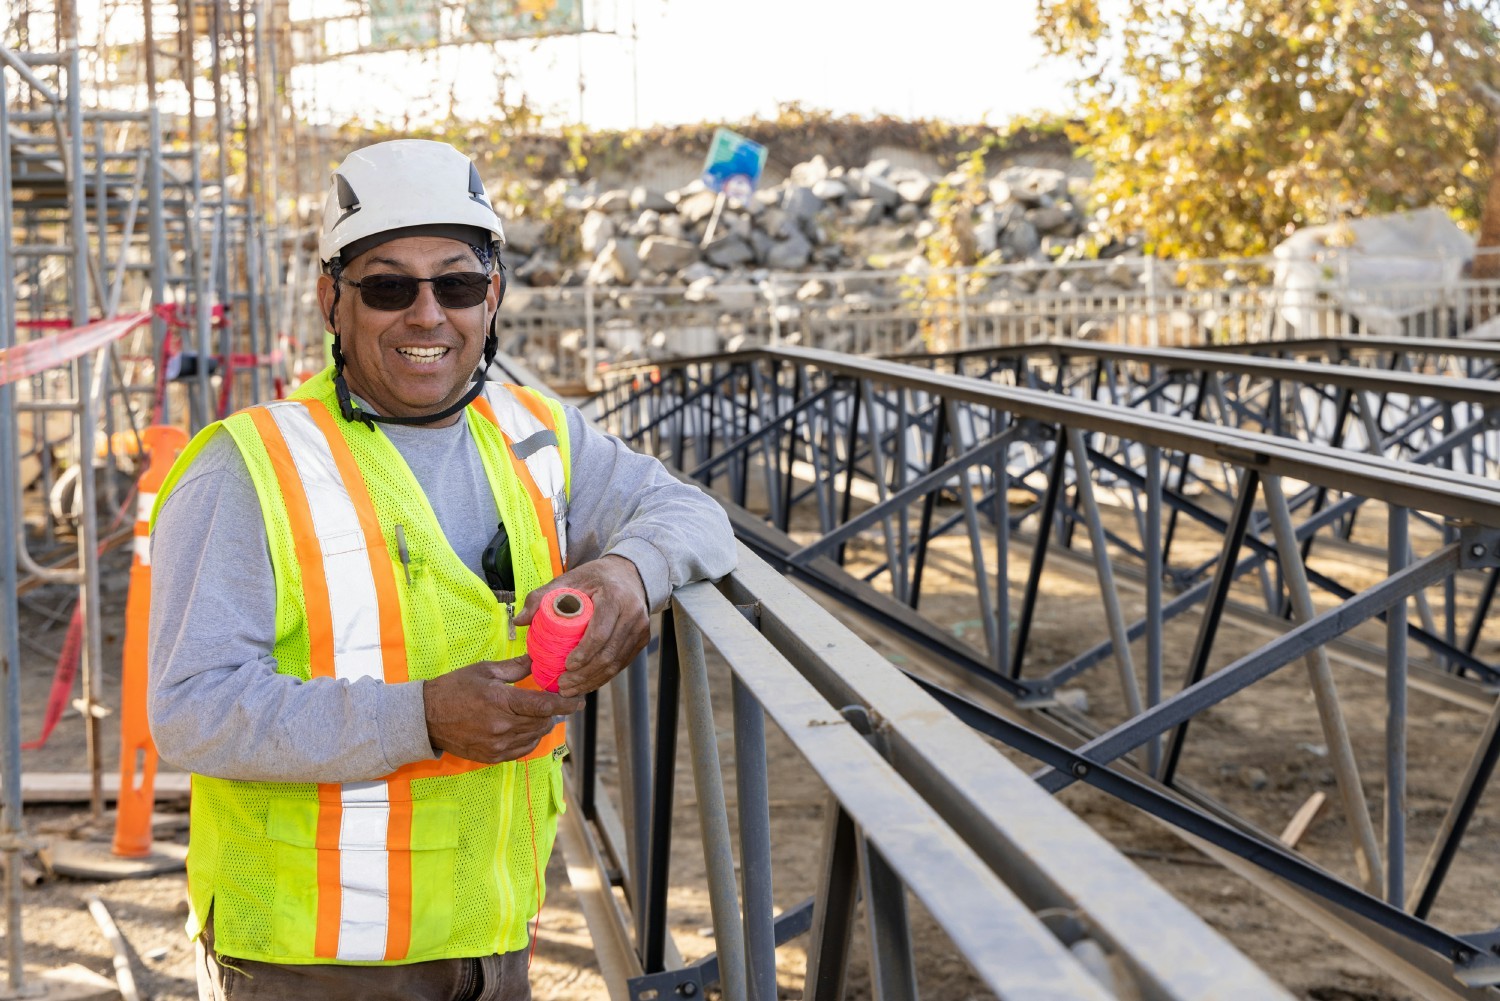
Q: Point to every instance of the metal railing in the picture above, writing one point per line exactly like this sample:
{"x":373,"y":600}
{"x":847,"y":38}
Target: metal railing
{"x":1035,"y":902}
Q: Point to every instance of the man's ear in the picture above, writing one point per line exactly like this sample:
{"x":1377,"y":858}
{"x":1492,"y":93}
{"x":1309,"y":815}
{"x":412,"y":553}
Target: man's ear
{"x":325,"y":300}
{"x":496,"y":291}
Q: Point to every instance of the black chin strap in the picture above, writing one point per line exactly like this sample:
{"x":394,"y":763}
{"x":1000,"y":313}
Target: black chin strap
{"x":353,"y":412}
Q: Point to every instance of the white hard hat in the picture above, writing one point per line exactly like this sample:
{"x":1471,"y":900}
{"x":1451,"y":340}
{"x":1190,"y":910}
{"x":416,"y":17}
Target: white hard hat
{"x":406,"y":187}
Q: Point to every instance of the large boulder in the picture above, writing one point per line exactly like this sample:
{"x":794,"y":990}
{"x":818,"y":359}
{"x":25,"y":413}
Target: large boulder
{"x":777,"y":223}
{"x":698,"y":206}
{"x":648,"y":223}
{"x":618,"y":261}
{"x":616,"y":200}
{"x":792,"y":252}
{"x":915,"y":187}
{"x":1049,"y":219}
{"x":644,"y":199}
{"x":879,"y":189}
{"x":662,"y":253}
{"x":524,"y":235}
{"x":830,"y":190}
{"x":1032,"y":185}
{"x":865,"y":212}
{"x":541,"y":271}
{"x":729,"y":250}
{"x":809,"y":173}
{"x":597,"y":230}
{"x":800,"y":203}
{"x":1020,"y":240}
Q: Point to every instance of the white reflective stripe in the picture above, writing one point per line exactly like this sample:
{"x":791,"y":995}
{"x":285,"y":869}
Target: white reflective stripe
{"x":354,"y":606}
{"x":142,"y":544}
{"x":364,"y":871}
{"x":545,"y":464}
{"x":560,"y":517}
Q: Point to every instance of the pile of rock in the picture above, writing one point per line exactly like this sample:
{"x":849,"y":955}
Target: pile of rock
{"x":821,"y":218}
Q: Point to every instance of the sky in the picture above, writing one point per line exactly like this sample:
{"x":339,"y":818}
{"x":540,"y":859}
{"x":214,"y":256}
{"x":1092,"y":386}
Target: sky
{"x":711,"y":60}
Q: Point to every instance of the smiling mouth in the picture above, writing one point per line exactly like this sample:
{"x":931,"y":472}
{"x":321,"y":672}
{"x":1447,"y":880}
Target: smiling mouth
{"x":423,"y":356}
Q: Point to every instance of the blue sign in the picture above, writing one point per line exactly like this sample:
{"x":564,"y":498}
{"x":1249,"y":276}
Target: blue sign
{"x":734,"y":164}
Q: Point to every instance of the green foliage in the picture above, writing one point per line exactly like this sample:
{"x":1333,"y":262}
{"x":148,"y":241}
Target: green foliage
{"x":1216,"y":127}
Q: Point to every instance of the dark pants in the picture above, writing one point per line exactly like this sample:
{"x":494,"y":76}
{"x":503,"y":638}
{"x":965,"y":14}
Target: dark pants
{"x":490,"y":978}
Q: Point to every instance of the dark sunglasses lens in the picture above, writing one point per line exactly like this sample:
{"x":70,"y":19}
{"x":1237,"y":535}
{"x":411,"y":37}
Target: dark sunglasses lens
{"x":461,"y":290}
{"x":388,"y":292}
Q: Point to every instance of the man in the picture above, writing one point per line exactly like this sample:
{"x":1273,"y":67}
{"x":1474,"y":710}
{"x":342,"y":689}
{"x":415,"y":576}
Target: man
{"x":337,"y":626}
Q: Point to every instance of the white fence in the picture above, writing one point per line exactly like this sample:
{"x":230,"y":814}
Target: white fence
{"x":570,"y":334}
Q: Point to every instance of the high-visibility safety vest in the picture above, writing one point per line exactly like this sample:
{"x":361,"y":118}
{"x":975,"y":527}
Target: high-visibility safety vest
{"x":442,"y":858}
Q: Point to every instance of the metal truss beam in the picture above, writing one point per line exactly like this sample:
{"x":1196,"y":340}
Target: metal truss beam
{"x":868,"y":464}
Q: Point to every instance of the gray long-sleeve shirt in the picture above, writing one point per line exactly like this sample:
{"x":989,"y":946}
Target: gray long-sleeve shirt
{"x":217,"y":705}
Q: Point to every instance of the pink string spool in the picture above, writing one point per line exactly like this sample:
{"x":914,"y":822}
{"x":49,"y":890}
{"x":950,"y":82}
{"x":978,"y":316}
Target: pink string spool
{"x":555,"y":631}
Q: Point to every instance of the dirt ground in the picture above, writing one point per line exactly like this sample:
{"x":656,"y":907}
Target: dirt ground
{"x":1262,"y":754}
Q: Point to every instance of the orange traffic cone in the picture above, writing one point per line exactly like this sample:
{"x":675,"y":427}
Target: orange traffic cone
{"x":137,"y":752}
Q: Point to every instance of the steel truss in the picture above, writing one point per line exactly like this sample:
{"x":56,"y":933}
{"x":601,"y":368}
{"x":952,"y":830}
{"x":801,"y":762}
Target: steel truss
{"x":860,"y":468}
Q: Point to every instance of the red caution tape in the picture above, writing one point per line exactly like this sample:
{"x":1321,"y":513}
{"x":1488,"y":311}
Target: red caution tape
{"x":37,"y":356}
{"x":62,"y":679}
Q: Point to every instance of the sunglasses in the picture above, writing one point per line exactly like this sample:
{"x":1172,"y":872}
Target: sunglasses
{"x":393,"y":293}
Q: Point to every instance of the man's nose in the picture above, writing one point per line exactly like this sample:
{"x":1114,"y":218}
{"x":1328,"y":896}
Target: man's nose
{"x":425,"y":312}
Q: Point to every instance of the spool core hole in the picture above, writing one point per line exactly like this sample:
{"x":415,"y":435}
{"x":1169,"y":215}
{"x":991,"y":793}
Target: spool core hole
{"x":567,"y":605}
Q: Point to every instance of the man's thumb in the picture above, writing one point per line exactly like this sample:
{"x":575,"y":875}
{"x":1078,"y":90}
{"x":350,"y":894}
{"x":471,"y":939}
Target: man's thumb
{"x":514,"y":669}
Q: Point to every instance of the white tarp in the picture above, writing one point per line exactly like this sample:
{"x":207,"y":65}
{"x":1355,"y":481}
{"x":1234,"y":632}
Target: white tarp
{"x":1380,"y":270}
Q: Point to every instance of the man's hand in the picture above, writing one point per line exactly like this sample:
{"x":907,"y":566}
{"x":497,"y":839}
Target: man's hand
{"x":619,"y":630}
{"x":475,"y":713}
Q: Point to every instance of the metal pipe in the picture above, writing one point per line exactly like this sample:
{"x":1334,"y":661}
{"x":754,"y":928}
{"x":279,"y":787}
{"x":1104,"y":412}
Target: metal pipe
{"x":753,"y":802}
{"x":1151,"y":546}
{"x":88,"y":536}
{"x":11,"y":824}
{"x":1325,"y":692}
{"x":1398,"y":549}
{"x":157,"y":235}
{"x":713,"y":815}
{"x":1105,"y":572}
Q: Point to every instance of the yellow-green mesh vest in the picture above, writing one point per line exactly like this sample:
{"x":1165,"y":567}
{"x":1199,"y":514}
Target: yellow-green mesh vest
{"x":478,"y":847}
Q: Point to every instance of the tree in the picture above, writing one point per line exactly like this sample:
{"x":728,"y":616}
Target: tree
{"x":1215,"y":127}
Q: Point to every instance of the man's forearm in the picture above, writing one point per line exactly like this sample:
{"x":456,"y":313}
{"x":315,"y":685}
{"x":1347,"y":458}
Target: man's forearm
{"x":253,"y":724}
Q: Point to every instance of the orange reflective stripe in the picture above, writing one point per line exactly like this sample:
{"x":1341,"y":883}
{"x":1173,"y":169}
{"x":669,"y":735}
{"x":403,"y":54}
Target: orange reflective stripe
{"x":330,"y":891}
{"x":538,"y":409}
{"x":448,"y":764}
{"x":305,"y":540}
{"x":555,"y":739}
{"x":539,"y":503}
{"x":398,"y":851}
{"x":392,"y":634}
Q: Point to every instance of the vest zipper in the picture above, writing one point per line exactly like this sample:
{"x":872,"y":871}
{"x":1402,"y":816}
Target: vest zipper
{"x":508,"y":599}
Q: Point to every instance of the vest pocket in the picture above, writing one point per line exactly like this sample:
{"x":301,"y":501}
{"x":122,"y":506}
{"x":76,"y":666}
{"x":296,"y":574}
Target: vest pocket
{"x":385,"y":889}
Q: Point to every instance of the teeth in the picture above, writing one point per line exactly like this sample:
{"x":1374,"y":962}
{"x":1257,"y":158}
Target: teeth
{"x":423,"y":354}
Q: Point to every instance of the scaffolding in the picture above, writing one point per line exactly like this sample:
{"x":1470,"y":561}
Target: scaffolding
{"x":138,"y":238}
